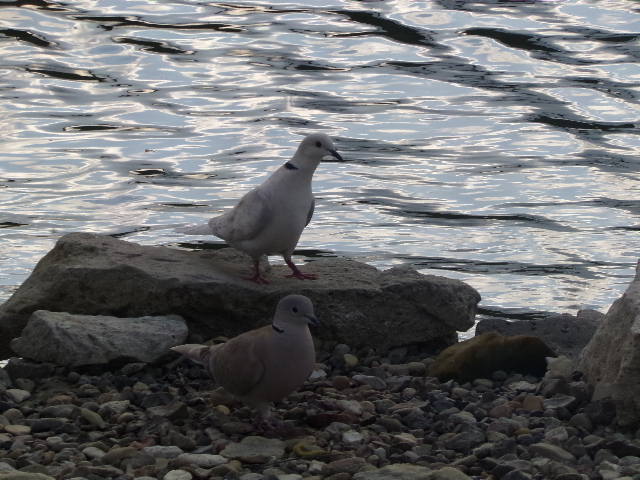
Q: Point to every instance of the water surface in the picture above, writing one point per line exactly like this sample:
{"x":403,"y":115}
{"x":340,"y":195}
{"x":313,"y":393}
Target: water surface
{"x":494,"y":141}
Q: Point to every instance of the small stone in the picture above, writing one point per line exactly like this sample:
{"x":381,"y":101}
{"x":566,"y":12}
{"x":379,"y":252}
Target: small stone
{"x":250,"y":476}
{"x":317,"y":374}
{"x":404,"y":440}
{"x":223,"y":409}
{"x":174,"y":411}
{"x":340,"y":382}
{"x":552,"y":452}
{"x":352,"y":437}
{"x":25,"y":476}
{"x":93,"y":418}
{"x":17,"y":429}
{"x":181,"y":441}
{"x":116,"y":455}
{"x":350,"y":406}
{"x":349,"y":465}
{"x":203,"y":460}
{"x":417,"y":369}
{"x":533,"y":403}
{"x":163,"y":451}
{"x":307,"y":450}
{"x":374,"y":382}
{"x":131,"y":368}
{"x":581,"y":421}
{"x":502,"y":410}
{"x":463,"y":418}
{"x":60,"y":410}
{"x":56,"y":425}
{"x":402,"y":471}
{"x":559,"y":401}
{"x":517,"y":475}
{"x":93,"y":453}
{"x":113,"y":408}
{"x":255,"y":449}
{"x":240,"y":428}
{"x":523,"y":386}
{"x":350,"y":360}
{"x":340,"y":349}
{"x":17,"y":395}
{"x":391,"y":424}
{"x":556,"y":435}
{"x":177,"y":475}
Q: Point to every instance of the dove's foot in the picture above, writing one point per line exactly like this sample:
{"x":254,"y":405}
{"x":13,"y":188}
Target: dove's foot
{"x":256,"y":277}
{"x":296,"y":273}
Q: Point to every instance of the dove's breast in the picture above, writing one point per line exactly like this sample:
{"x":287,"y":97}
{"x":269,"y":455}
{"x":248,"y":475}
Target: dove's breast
{"x":286,"y":366}
{"x":286,"y":220}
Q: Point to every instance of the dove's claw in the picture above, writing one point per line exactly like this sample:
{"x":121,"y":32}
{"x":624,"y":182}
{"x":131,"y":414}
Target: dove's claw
{"x":297,"y":273}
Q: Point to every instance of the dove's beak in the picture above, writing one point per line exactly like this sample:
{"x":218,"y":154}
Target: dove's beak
{"x":312,"y":320}
{"x":334,"y":155}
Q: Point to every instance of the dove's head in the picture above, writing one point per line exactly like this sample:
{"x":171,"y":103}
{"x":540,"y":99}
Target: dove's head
{"x":315,"y":148}
{"x":294,"y":310}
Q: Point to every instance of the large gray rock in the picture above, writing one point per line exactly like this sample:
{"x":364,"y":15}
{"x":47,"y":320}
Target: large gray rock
{"x":359,"y":305}
{"x":611,"y":360}
{"x":566,"y":334}
{"x":73,"y":340}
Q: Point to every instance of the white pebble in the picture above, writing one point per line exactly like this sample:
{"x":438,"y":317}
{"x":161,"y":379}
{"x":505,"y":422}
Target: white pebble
{"x":352,"y":437}
{"x":177,"y":475}
{"x":93,"y":453}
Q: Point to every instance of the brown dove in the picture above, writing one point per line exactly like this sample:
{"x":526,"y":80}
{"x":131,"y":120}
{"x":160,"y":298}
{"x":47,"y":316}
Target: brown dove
{"x":266,"y":364}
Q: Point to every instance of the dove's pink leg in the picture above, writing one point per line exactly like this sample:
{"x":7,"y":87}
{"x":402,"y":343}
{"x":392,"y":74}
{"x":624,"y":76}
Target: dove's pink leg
{"x":297,"y":273}
{"x":256,"y":277}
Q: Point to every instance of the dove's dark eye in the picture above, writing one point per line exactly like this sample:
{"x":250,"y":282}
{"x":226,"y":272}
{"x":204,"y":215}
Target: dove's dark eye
{"x":318,"y":144}
{"x":294,"y":309}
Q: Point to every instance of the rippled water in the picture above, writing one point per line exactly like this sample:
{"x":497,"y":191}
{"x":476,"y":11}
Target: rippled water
{"x":492,"y":141}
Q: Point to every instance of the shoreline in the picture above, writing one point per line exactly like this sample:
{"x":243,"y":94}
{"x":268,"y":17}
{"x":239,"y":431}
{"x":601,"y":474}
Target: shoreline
{"x":360,"y":416}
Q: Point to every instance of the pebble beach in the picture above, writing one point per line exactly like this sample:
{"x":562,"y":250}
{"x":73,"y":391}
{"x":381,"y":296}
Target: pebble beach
{"x":360,"y":416}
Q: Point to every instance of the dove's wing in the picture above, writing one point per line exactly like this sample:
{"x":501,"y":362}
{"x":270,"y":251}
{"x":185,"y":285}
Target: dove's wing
{"x":239,"y":364}
{"x":311,"y":209}
{"x":245,"y":221}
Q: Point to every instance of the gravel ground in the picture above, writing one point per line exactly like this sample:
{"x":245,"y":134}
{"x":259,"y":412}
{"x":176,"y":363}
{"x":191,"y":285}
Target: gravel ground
{"x":360,"y":416}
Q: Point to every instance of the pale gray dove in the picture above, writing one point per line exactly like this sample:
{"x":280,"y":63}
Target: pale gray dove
{"x":266,"y":364}
{"x":269,"y":219}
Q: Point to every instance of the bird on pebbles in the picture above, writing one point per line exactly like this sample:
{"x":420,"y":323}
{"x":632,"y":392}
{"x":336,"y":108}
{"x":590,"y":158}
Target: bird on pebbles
{"x":266,"y":364}
{"x":269,"y":219}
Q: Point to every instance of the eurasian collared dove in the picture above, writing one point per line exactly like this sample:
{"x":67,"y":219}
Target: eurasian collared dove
{"x":269,"y":219}
{"x":266,"y":364}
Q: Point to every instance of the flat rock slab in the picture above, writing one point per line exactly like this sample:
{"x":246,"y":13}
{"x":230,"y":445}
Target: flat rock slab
{"x":358,"y":304}
{"x":75,"y":340}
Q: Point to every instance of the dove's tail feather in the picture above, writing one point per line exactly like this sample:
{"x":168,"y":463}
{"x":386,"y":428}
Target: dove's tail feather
{"x":203,"y":229}
{"x":195,"y":352}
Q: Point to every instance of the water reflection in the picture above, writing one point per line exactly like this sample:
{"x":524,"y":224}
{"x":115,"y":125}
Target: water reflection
{"x":495,"y":142}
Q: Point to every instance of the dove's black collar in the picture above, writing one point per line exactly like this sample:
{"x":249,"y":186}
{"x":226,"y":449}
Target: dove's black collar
{"x":290,"y":166}
{"x":275,"y":327}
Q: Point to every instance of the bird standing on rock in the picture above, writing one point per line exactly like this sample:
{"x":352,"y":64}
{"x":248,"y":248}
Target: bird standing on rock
{"x":269,"y":219}
{"x":266,"y":364}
